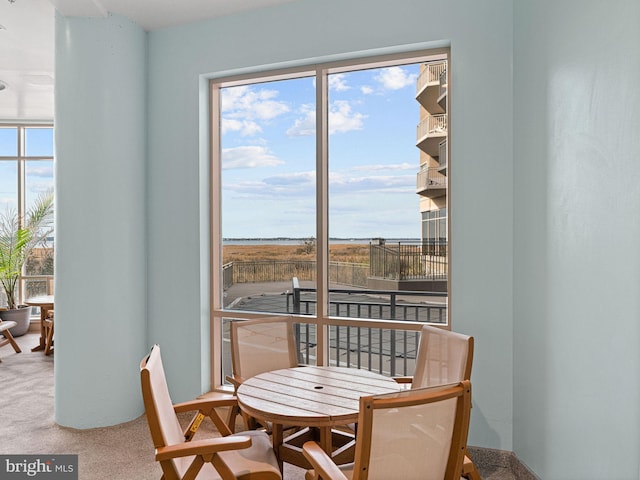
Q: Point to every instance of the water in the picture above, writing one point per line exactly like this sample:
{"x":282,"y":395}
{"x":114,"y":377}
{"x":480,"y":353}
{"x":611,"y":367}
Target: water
{"x":300,"y":241}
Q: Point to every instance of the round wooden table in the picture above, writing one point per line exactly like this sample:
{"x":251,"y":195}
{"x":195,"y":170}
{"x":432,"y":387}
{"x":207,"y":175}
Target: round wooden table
{"x":45,"y":302}
{"x":318,"y":398}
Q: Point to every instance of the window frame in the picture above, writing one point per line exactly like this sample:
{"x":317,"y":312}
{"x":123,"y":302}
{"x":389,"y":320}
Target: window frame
{"x":321,"y":319}
{"x":21,"y":158}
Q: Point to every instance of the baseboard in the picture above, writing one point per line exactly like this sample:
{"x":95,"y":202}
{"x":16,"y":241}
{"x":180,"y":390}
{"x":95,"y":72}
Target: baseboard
{"x":488,"y":458}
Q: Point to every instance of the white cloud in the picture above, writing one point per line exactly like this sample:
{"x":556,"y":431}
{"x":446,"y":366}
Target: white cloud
{"x":305,"y":125}
{"x":40,"y":171}
{"x":243,"y":107}
{"x":395,"y":78}
{"x":342,"y":119}
{"x":245,"y":127}
{"x":248,"y":157}
{"x":337,"y":82}
{"x":341,"y":183}
{"x":379,"y":167}
{"x":366,"y":89}
{"x":288,"y":185}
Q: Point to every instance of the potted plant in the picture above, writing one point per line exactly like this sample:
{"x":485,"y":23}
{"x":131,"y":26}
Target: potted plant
{"x":18,"y":237}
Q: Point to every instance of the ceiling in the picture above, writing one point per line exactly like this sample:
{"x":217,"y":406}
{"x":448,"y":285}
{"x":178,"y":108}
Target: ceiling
{"x":27,"y":41}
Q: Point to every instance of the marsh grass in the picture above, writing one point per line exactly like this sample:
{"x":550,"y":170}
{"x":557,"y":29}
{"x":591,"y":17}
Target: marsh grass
{"x":350,"y":253}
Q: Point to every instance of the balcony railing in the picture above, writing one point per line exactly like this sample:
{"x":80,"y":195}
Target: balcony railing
{"x":409,"y":306}
{"x":430,"y":75}
{"x":432,"y":125}
{"x":430,"y":179}
{"x":443,"y":84}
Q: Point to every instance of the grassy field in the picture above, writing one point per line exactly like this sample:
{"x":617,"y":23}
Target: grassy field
{"x":352,"y":253}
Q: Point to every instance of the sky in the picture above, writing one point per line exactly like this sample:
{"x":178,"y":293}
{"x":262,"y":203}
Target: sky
{"x":268,"y":156}
{"x":39,"y":173}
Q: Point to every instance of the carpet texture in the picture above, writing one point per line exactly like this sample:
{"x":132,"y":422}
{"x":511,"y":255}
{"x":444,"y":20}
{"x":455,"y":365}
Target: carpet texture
{"x":121,"y":452}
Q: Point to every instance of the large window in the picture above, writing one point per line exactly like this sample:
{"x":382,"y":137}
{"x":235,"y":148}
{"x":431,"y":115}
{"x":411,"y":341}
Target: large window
{"x":315,"y":210}
{"x":26,"y":171}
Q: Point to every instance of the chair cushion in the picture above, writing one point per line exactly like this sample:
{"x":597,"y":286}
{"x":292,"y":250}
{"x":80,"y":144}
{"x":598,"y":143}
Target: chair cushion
{"x":246,"y":461}
{"x":7,"y":325}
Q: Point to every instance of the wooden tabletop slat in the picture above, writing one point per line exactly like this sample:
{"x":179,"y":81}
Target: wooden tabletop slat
{"x":311,"y":396}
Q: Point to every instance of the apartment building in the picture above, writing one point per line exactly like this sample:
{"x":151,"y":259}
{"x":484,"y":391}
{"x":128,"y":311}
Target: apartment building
{"x":431,"y":140}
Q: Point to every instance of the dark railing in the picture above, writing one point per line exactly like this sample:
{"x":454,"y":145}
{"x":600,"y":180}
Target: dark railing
{"x":397,"y":261}
{"x":408,"y":261}
{"x":383,"y":350}
{"x":388,"y":351}
{"x":272,"y":271}
{"x":409,"y":306}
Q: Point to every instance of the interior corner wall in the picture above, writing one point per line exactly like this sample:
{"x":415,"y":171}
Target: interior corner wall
{"x":307,"y":31}
{"x":576,"y":260}
{"x":100,"y":284}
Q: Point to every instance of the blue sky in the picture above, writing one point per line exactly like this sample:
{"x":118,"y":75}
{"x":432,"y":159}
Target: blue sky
{"x":39,"y":173}
{"x":268,"y":156}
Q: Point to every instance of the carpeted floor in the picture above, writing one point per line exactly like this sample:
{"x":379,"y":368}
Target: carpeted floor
{"x":121,"y":452}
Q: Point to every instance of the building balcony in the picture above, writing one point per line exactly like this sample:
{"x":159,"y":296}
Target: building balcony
{"x":430,"y":132}
{"x":429,"y":88}
{"x":442,"y":90}
{"x":431,"y":183}
{"x":430,"y":76}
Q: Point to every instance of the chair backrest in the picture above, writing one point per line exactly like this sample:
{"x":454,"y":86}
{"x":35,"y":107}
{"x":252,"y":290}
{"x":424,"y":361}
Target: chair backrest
{"x":417,"y":434}
{"x":444,"y":357}
{"x":163,"y":422}
{"x":259,"y":346}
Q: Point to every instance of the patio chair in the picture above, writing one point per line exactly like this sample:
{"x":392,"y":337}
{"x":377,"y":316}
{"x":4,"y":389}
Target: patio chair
{"x":47,"y":325}
{"x":416,"y":434}
{"x":8,"y":338}
{"x":444,"y":357}
{"x":245,"y":457}
{"x":259,"y":346}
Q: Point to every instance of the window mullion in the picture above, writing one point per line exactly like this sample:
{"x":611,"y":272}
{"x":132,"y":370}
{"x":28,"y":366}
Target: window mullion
{"x":322,"y":213}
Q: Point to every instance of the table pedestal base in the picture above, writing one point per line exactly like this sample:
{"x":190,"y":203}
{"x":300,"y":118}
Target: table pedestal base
{"x":338,"y":444}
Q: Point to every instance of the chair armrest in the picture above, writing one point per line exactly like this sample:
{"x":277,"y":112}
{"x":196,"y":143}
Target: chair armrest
{"x":403,"y":379}
{"x":235,"y":381}
{"x":203,"y":447}
{"x":321,"y":462}
{"x":205,"y":404}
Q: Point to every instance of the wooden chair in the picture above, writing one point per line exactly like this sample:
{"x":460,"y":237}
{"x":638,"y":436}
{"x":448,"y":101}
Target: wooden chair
{"x":444,"y":357}
{"x":416,"y":434}
{"x":245,"y":457}
{"x":259,"y":346}
{"x":8,"y":338}
{"x":47,"y":325}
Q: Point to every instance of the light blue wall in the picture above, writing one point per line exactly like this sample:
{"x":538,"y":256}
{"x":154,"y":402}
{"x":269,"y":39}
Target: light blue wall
{"x":577,"y":238}
{"x":480,"y":35}
{"x":100,"y":283}
{"x":545,"y":265}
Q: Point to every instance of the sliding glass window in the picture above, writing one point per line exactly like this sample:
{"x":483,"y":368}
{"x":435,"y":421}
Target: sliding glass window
{"x":319,"y":196}
{"x":26,"y":172}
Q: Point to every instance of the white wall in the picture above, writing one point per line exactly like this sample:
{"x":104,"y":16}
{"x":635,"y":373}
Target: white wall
{"x":100,"y":283}
{"x":480,"y":35}
{"x":577,"y":234}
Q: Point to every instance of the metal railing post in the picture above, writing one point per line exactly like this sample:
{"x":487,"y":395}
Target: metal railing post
{"x":296,"y":294}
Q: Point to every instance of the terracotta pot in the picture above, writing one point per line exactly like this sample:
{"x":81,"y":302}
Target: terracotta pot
{"x":21,"y":315}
